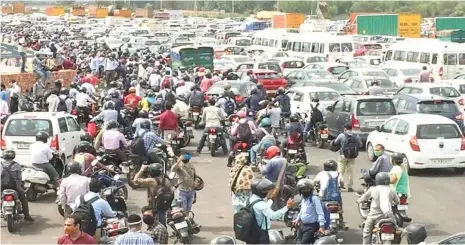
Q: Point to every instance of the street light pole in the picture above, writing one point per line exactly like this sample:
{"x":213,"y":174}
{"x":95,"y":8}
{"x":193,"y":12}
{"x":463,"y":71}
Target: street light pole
{"x":232,"y":6}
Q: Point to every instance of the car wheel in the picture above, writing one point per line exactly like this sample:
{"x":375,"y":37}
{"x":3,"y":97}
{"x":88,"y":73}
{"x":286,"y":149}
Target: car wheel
{"x":407,"y":165}
{"x":371,"y":152}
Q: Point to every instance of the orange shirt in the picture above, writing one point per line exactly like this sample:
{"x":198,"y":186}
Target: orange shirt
{"x":132,"y":100}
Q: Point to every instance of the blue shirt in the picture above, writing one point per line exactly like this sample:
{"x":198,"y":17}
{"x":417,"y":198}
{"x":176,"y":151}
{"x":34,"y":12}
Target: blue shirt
{"x":294,"y":127}
{"x":312,"y":211}
{"x":101,"y":207}
{"x":134,"y":238}
{"x":264,"y":214}
{"x":272,"y":168}
{"x":150,"y":140}
{"x":342,"y":140}
{"x":4,"y":95}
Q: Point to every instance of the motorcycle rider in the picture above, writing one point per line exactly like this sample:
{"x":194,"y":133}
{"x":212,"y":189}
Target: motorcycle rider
{"x":182,"y":89}
{"x":265,"y":137}
{"x":284,"y":102}
{"x":272,"y":169}
{"x":181,"y":109}
{"x":150,"y":140}
{"x":108,"y":114}
{"x":85,"y":145}
{"x":261,"y":90}
{"x":132,"y":100}
{"x":223,"y":240}
{"x":143,"y":116}
{"x":227,"y":105}
{"x":235,"y":135}
{"x":261,"y":206}
{"x":41,"y":154}
{"x":415,"y":233}
{"x":83,"y":102}
{"x":315,"y":115}
{"x":11,"y":179}
{"x":228,"y":92}
{"x":196,"y":97}
{"x":311,"y":218}
{"x":382,"y":198}
{"x":169,"y":123}
{"x":383,"y":162}
{"x":293,"y":129}
{"x":212,"y":117}
{"x":113,"y":139}
{"x":253,"y":103}
{"x":72,"y":186}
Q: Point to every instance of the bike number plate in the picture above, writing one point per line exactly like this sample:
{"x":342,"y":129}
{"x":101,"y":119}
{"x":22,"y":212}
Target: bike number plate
{"x":402,"y":207}
{"x":387,"y":237}
{"x":324,"y":136}
{"x":27,"y":185}
{"x":180,"y":225}
{"x":195,"y":113}
{"x":125,"y":169}
{"x":189,"y":128}
{"x":292,"y":151}
{"x":334,"y":216}
{"x":8,"y":203}
{"x":212,"y":136}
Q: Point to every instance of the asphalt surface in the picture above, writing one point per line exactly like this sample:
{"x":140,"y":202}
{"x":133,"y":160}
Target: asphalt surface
{"x":10,"y":51}
{"x":437,"y":201}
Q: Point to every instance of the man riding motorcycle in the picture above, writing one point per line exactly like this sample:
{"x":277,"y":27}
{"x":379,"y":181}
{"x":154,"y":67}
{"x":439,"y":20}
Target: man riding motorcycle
{"x":212,"y":117}
{"x":284,"y":102}
{"x":383,"y":163}
{"x":265,"y":137}
{"x":150,"y":140}
{"x":148,"y":100}
{"x":113,"y":140}
{"x":108,"y":114}
{"x":83,"y":102}
{"x":132,"y":100}
{"x":294,"y":129}
{"x":253,"y":103}
{"x":85,"y":145}
{"x":382,"y":198}
{"x":314,"y":115}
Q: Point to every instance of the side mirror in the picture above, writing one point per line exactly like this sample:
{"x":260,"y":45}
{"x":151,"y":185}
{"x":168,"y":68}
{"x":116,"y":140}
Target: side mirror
{"x":378,"y":128}
{"x":363,"y":170}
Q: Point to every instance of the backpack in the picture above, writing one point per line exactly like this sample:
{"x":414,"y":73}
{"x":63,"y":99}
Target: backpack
{"x":332,"y":189}
{"x":164,"y":196}
{"x":6,"y":176}
{"x":316,"y":115}
{"x":350,"y":150}
{"x":229,"y":106}
{"x":138,"y":146}
{"x":87,"y":214}
{"x":286,"y":104}
{"x":246,"y":228}
{"x":243,"y":132}
{"x":62,"y":105}
{"x":196,"y":98}
{"x":170,"y":98}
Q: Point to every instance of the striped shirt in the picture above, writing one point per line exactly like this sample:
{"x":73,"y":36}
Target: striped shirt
{"x":134,"y":238}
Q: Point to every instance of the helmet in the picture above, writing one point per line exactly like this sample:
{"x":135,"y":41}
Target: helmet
{"x":227,"y":86}
{"x":326,"y":240}
{"x":294,"y":118}
{"x":86,"y":137}
{"x":9,"y":154}
{"x":109,"y":105}
{"x":145,"y":124}
{"x":112,"y":124}
{"x":42,"y":136}
{"x":304,"y":185}
{"x":397,"y":158}
{"x":149,"y":93}
{"x":382,"y":178}
{"x":330,"y":165}
{"x":132,"y":90}
{"x":241,"y":114}
{"x":276,"y":237}
{"x":115,"y":94}
{"x":272,"y":151}
{"x":261,"y":187}
{"x":416,"y":233}
{"x":83,"y":90}
{"x":143,"y":114}
{"x":223,"y":240}
{"x":280,"y":90}
{"x":74,"y":168}
{"x":265,"y":122}
{"x":155,"y":169}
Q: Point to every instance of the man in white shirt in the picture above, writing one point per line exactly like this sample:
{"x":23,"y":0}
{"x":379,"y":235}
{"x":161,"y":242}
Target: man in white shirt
{"x":182,"y":89}
{"x":155,"y":79}
{"x":83,"y":102}
{"x":89,"y":87}
{"x":15,"y":89}
{"x":53,"y":101}
{"x":143,"y":71}
{"x":72,"y":187}
{"x":181,"y":109}
{"x":110,"y":65}
{"x":41,"y":154}
{"x":3,"y":107}
{"x":22,"y":52}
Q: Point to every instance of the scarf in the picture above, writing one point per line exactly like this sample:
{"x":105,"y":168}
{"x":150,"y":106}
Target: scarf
{"x":245,"y":177}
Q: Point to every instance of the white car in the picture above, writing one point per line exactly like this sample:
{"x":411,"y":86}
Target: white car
{"x":235,"y":60}
{"x":458,"y":84}
{"x":362,"y":72}
{"x":441,"y":89}
{"x":21,"y":128}
{"x":301,"y":97}
{"x":425,"y":140}
{"x":403,"y":74}
{"x":372,"y":60}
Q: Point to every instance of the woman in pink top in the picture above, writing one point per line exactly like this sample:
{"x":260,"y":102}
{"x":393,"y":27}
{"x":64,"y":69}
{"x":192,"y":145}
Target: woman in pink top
{"x":206,"y":83}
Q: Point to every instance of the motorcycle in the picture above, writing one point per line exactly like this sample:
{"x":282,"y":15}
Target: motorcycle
{"x":214,"y":138}
{"x":386,"y":232}
{"x":334,"y":208}
{"x":196,"y":110}
{"x":107,"y":180}
{"x":364,"y":207}
{"x":293,"y":149}
{"x":320,"y":134}
{"x":115,"y":199}
{"x":187,"y":127}
{"x":400,"y":211}
{"x":182,"y":223}
{"x":113,"y":227}
{"x":240,"y":148}
{"x":11,"y":208}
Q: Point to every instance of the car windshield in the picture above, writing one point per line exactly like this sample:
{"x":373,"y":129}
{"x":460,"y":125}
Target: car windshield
{"x":375,"y":62}
{"x":375,"y":107}
{"x":374,"y":74}
{"x":434,"y":131}
{"x":269,"y":66}
{"x":268,"y":76}
{"x":316,"y":59}
{"x":325,"y":96}
{"x":241,"y":59}
{"x":437,"y":107}
{"x":336,"y":86}
{"x":448,"y":92}
{"x":411,"y":72}
{"x":28,"y":127}
{"x":338,"y":69}
{"x":243,"y":42}
{"x":319,"y":75}
{"x":293,"y":64}
{"x":383,"y":83}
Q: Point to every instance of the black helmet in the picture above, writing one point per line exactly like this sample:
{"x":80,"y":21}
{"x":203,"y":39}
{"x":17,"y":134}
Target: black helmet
{"x":326,"y":240}
{"x":416,"y":233}
{"x":115,"y":94}
{"x":9,"y":154}
{"x":109,"y":105}
{"x":261,"y":187}
{"x":145,"y":124}
{"x":85,"y":147}
{"x":143,"y":114}
{"x":83,"y":90}
{"x":74,"y":168}
{"x":223,"y":240}
{"x":294,"y":118}
{"x":382,"y":178}
{"x":113,"y":84}
{"x":112,"y":124}
{"x":42,"y":136}
{"x":330,"y":165}
{"x":155,"y":169}
{"x":304,"y":185}
{"x":87,"y":137}
{"x":397,"y":158}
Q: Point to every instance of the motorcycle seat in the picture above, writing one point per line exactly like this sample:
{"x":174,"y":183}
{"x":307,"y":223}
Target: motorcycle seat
{"x":385,"y":222}
{"x":332,"y":203}
{"x":35,"y":168}
{"x":9,"y":192}
{"x":135,"y":156}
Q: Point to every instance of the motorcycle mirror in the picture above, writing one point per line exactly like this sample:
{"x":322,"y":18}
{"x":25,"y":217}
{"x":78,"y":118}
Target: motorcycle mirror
{"x":171,"y":175}
{"x":116,"y":177}
{"x":94,"y":162}
{"x":363,"y":170}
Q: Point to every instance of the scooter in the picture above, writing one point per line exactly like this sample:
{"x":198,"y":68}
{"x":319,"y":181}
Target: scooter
{"x":11,"y":208}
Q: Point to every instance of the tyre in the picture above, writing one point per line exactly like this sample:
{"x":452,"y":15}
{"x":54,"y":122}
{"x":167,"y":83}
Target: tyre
{"x":130,"y":177}
{"x":363,"y":212}
{"x":10,"y":222}
{"x":371,"y":152}
{"x":459,"y":170}
{"x":212,"y":149}
{"x":31,"y":194}
{"x":185,"y":240}
{"x":320,"y":143}
{"x":125,"y":192}
{"x":186,"y":139}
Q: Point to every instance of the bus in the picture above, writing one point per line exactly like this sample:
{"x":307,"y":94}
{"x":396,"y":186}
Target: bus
{"x":273,"y":39}
{"x":192,"y":56}
{"x":332,"y":47}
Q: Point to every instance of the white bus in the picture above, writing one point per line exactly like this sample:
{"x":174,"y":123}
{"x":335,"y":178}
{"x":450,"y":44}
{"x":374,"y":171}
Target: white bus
{"x":273,"y":39}
{"x":332,"y":47}
{"x":444,"y":59}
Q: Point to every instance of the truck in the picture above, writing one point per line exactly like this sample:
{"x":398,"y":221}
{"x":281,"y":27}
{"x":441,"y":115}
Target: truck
{"x":384,"y":24}
{"x":449,"y":23}
{"x":288,"y":20}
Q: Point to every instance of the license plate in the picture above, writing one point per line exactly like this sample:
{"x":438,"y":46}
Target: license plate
{"x":23,"y":145}
{"x":27,"y":185}
{"x":195,"y":113}
{"x":189,"y":128}
{"x":244,"y":154}
{"x":292,"y":151}
{"x":8,"y":203}
{"x":441,"y":161}
{"x":180,"y":225}
{"x":212,"y":136}
{"x":387,"y":237}
{"x":125,"y":169}
{"x":374,"y":124}
{"x":402,"y":207}
{"x":334,"y":216}
{"x":324,"y":136}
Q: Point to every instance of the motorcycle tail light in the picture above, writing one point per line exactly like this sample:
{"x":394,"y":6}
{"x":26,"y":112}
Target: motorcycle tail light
{"x":403,"y":201}
{"x":324,"y":131}
{"x":213,"y":130}
{"x":8,"y":198}
{"x":244,"y":145}
{"x":388,"y":229}
{"x":74,"y":112}
{"x":333,"y":208}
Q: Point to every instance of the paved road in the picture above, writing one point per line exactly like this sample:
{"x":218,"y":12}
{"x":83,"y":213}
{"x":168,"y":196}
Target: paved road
{"x":9,"y":51}
{"x":437,"y":201}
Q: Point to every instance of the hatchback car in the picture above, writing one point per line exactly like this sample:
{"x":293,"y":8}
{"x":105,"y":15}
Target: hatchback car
{"x":362,"y":84}
{"x":302,"y":97}
{"x":364,"y":113}
{"x":240,"y":89}
{"x":333,"y":68}
{"x":425,"y":140}
{"x":372,"y":60}
{"x":403,"y":74}
{"x":363,"y":72}
{"x":267,"y":65}
{"x":307,"y":75}
{"x":21,"y":128}
{"x":271,"y":80}
{"x":441,"y":89}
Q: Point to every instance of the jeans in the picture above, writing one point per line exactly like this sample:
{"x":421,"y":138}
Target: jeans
{"x":204,"y":138}
{"x":48,"y":169}
{"x":186,"y":198}
{"x":24,"y":60}
{"x":307,"y":129}
{"x":161,"y":214}
{"x":307,"y":232}
{"x":43,"y":75}
{"x":253,"y":153}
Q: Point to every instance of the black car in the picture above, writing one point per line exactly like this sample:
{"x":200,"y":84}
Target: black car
{"x":428,"y":104}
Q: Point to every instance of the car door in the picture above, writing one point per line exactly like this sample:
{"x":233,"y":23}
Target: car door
{"x":345,"y":75}
{"x":63,"y":139}
{"x":296,"y":104}
{"x":74,"y":131}
{"x":355,"y":85}
{"x":385,"y":134}
{"x":400,"y":140}
{"x":331,"y":118}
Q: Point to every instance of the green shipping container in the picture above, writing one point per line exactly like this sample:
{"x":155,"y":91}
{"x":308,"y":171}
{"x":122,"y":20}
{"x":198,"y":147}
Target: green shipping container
{"x":386,"y":24}
{"x":450,"y":23}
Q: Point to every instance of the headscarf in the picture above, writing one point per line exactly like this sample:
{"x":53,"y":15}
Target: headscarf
{"x":245,"y":172}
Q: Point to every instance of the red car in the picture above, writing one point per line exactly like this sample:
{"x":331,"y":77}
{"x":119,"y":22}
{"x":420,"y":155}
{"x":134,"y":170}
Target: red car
{"x":271,"y":80}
